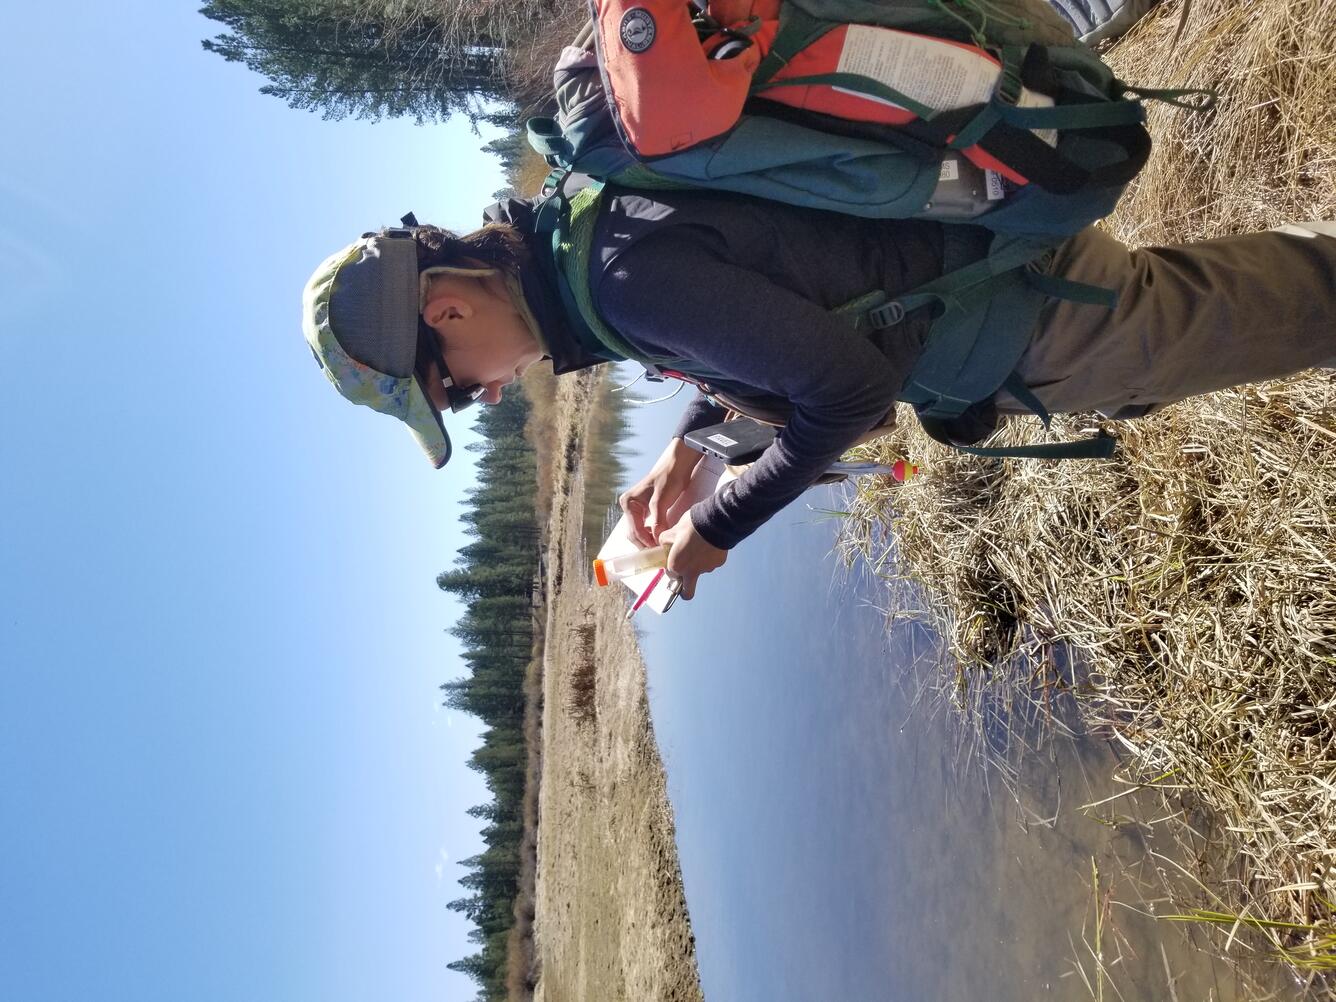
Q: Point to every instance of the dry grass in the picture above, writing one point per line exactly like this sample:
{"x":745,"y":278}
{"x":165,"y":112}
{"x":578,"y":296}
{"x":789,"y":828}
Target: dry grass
{"x":531,"y":62}
{"x":540,"y":388}
{"x":528,"y":176}
{"x":583,"y":691}
{"x":1197,"y":577}
{"x":1268,"y":154}
{"x":521,"y":950}
{"x":611,"y":919}
{"x":603,"y":468}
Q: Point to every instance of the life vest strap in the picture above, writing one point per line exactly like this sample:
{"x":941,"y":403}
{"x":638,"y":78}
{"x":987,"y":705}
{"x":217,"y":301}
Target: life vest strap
{"x":1175,"y":96}
{"x":547,"y":140}
{"x":1073,"y":292}
{"x":1100,"y":446}
{"x":1015,"y":385}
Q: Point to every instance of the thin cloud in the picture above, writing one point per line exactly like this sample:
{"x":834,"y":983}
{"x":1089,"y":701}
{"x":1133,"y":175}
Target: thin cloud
{"x":36,"y":278}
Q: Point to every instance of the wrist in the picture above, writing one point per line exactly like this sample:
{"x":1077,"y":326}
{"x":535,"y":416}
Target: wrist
{"x":678,"y":455}
{"x":699,"y":514}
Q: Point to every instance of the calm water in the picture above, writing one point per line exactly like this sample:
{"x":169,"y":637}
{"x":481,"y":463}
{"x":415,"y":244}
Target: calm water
{"x":834,"y":841}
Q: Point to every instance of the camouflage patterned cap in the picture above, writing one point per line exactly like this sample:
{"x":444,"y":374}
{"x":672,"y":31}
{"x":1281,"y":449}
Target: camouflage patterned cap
{"x":360,"y":313}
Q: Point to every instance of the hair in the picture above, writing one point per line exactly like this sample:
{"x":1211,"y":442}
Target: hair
{"x":497,"y":245}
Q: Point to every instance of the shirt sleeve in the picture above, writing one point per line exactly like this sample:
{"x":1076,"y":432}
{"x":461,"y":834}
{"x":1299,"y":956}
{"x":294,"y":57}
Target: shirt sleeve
{"x":700,"y":413}
{"x":675,"y":293}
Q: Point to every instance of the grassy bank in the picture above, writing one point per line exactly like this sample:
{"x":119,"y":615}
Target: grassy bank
{"x":1195,"y":577}
{"x":610,"y":918}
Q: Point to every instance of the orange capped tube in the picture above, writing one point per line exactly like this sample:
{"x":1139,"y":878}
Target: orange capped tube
{"x":616,"y":568}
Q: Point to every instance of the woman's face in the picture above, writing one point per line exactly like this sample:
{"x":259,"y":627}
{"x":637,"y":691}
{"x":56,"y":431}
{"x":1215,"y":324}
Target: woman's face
{"x":483,"y":338}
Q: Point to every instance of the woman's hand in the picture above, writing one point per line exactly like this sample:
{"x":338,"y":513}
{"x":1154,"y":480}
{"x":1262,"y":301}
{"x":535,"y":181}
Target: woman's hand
{"x":646,"y":504}
{"x":690,"y":555}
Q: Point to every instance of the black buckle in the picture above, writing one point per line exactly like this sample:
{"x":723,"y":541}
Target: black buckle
{"x":1040,"y":265}
{"x":1010,"y":83}
{"x":886,"y":315}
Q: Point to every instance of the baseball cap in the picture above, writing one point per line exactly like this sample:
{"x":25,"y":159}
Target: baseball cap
{"x":361,"y":317}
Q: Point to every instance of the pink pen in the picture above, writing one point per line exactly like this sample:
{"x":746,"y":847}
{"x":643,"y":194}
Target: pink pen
{"x":644,"y":594}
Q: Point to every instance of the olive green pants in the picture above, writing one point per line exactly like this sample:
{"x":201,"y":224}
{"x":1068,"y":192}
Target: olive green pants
{"x":1190,"y":319}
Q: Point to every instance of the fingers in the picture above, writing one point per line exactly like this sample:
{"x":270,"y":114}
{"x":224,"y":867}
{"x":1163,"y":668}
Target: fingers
{"x":647,"y":504}
{"x":634,"y":509}
{"x":684,"y":584}
{"x":641,"y":532}
{"x":690,"y":555}
{"x":677,"y":568}
{"x":646,"y":519}
{"x":658,"y":510}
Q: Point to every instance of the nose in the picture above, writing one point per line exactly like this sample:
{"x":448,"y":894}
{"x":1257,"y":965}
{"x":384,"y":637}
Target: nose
{"x":492,"y":395}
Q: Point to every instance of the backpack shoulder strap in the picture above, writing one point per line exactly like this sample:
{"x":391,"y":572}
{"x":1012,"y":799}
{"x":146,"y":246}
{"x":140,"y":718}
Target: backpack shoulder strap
{"x":987,"y":310}
{"x":570,"y":221}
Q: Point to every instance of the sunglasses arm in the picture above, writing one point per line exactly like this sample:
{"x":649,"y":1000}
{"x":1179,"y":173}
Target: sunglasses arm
{"x":461,"y":397}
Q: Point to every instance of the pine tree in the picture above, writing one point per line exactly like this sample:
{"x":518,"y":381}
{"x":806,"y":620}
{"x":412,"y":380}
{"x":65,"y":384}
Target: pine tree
{"x":474,"y":966}
{"x":330,"y":56}
{"x":491,"y":581}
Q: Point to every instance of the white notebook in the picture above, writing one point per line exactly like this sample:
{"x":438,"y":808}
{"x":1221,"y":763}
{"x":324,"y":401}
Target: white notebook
{"x":709,"y":475}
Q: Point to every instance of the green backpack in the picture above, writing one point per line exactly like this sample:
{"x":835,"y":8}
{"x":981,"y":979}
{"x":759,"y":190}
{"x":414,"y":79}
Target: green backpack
{"x":1049,"y":151}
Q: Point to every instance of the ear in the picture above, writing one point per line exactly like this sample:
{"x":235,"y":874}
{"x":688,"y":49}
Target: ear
{"x":446,"y":307}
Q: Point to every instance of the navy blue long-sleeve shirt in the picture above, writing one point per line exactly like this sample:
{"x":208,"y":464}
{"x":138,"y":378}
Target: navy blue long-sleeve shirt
{"x":746,"y":288}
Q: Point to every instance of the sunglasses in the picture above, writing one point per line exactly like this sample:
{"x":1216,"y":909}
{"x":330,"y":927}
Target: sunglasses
{"x":429,"y":350}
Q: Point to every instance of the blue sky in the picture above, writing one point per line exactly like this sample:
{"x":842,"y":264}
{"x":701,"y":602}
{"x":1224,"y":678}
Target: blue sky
{"x":225,"y":770}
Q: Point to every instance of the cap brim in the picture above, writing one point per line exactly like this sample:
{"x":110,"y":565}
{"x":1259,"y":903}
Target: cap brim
{"x":424,"y":420}
{"x":369,"y":292}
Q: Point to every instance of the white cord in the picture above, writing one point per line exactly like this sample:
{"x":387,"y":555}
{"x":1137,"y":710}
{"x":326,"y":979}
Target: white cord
{"x":618,"y":389}
{"x":643,"y":403}
{"x":657,"y":400}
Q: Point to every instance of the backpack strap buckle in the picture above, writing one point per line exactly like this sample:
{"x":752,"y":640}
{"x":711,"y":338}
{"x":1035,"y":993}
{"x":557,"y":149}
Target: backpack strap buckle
{"x":888,"y":314}
{"x":1010,"y":83}
{"x":547,"y":141}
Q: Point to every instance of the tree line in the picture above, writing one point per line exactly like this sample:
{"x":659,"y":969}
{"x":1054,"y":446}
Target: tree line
{"x":494,"y":576}
{"x":373,"y":59}
{"x":429,"y":60}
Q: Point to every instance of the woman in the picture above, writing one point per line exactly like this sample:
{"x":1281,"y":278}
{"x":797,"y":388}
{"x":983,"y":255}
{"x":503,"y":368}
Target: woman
{"x":743,"y":292}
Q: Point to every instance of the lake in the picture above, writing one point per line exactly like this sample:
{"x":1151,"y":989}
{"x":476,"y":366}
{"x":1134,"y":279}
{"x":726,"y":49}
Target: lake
{"x":839,"y":836}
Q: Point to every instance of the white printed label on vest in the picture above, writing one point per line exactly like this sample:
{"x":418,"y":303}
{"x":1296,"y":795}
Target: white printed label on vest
{"x":992,"y":186}
{"x":933,"y":72}
{"x":928,"y":70}
{"x":950,"y":170}
{"x":721,"y":440}
{"x":1031,"y":99}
